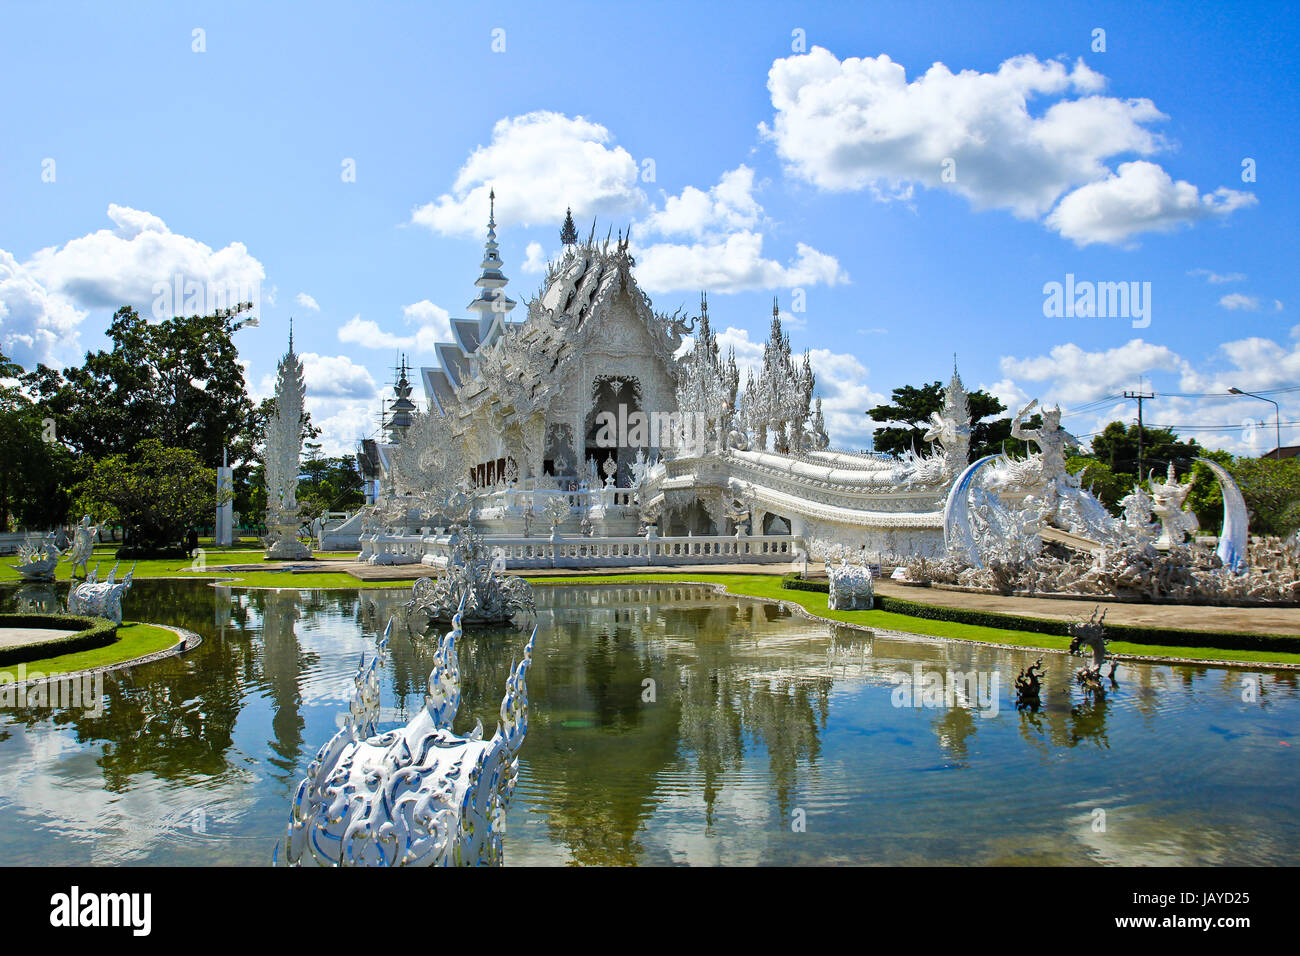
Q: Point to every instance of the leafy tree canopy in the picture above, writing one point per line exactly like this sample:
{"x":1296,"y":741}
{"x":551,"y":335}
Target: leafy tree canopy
{"x":32,"y":463}
{"x":157,"y":493}
{"x":177,"y":381}
{"x":1117,"y":447}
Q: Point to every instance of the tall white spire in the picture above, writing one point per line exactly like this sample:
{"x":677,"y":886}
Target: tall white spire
{"x":492,"y":302}
{"x":283,"y":456}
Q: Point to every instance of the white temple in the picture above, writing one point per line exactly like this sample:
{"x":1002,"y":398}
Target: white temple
{"x":598,"y":416}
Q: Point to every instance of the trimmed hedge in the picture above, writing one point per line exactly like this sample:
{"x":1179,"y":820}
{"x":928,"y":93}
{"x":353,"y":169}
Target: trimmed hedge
{"x":1167,"y":636}
{"x":792,"y":582}
{"x":91,"y":633}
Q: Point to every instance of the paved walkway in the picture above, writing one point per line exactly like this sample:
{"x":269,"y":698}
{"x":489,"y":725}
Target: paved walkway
{"x":18,"y":636}
{"x":1187,"y":617}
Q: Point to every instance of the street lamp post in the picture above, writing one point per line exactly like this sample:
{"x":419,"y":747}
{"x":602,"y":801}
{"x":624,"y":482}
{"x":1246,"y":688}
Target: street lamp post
{"x":1277,"y":410}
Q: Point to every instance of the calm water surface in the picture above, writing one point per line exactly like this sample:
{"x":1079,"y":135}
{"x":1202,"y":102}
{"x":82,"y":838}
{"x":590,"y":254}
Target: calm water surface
{"x":759,"y":720}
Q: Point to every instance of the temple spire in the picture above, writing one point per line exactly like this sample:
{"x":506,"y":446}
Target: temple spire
{"x":401,"y":410}
{"x":568,"y":232}
{"x":492,"y":300}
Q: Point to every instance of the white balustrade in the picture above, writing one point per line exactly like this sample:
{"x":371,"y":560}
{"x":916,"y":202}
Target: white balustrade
{"x":579,"y":552}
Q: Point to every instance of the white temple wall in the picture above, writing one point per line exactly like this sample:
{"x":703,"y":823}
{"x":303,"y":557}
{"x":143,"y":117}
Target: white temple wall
{"x":620,"y":348}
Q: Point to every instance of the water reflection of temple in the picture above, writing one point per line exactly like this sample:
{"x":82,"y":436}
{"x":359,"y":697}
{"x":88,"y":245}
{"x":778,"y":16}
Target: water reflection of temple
{"x":610,"y":748}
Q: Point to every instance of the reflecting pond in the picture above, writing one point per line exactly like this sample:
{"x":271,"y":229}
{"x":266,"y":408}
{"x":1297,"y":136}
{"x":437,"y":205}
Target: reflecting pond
{"x":667,"y":725}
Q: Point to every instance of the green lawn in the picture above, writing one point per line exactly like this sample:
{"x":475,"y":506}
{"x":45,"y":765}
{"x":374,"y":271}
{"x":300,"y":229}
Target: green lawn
{"x":766,"y":586}
{"x":180,"y":568}
{"x":133,"y":640}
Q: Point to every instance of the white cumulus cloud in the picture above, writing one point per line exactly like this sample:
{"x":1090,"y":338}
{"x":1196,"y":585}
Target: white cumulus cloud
{"x":1019,"y":138}
{"x":733,"y":264}
{"x":138,"y":262}
{"x":1141,"y":197}
{"x":539,"y":164}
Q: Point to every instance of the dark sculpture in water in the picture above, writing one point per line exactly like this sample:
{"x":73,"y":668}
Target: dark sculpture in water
{"x":1089,"y":636}
{"x":1028,"y":684}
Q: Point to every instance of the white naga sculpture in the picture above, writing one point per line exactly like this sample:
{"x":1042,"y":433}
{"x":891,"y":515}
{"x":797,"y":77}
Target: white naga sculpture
{"x":83,"y":545}
{"x":283,"y":452}
{"x":1168,"y":497}
{"x":37,"y":560}
{"x":100,"y":599}
{"x":851,"y":588}
{"x":419,"y":795}
{"x":474,"y":586}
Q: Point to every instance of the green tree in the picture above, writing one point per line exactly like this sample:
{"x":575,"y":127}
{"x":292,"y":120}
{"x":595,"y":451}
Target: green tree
{"x":177,"y":381}
{"x":33,"y":465}
{"x":1108,"y":486}
{"x":156,"y":493}
{"x":329,"y":484}
{"x":1117,"y":447}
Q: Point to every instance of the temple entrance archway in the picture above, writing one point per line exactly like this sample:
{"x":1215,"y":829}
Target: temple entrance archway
{"x":613,"y":400}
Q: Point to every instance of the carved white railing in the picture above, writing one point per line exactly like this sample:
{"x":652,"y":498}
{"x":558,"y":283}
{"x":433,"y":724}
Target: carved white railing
{"x":580,"y":552}
{"x":517,"y":499}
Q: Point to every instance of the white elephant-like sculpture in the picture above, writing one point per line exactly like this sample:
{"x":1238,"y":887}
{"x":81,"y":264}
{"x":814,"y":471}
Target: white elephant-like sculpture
{"x":417,"y":796}
{"x":851,"y":587}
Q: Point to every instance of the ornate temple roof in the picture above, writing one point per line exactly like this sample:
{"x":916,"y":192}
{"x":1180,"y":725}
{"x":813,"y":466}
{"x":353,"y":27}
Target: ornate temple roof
{"x":516,"y":364}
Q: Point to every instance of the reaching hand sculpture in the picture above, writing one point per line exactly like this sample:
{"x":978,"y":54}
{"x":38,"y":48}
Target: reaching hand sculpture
{"x":1029,"y":685}
{"x":417,"y":796}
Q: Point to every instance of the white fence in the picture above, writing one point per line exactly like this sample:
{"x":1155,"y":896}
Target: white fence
{"x":577,"y":552}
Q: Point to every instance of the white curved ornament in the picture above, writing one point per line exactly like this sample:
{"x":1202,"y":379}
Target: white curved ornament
{"x":1234,"y":539}
{"x":957,"y":533}
{"x":419,"y":795}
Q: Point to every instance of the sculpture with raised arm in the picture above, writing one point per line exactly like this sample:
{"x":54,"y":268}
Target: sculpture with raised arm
{"x":1053,"y":442}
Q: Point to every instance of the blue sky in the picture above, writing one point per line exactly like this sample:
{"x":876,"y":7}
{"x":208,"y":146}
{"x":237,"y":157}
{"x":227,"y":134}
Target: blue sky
{"x":915,"y":205}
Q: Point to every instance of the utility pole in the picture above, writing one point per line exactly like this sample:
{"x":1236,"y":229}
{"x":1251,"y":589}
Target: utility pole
{"x":1140,"y":396}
